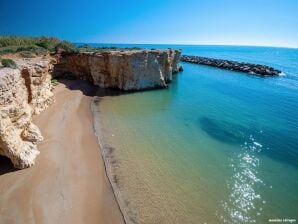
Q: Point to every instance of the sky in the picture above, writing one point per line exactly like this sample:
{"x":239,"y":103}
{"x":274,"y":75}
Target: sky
{"x":219,"y":22}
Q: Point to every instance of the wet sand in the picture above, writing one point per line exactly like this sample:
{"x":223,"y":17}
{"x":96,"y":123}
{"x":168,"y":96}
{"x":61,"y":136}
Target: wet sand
{"x":68,"y":183}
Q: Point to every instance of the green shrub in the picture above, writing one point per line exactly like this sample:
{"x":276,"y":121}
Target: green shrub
{"x":38,"y":45}
{"x":27,"y":54}
{"x":8,"y":63}
{"x":44,"y":45}
{"x":19,"y":49}
{"x":54,"y":82}
{"x":25,"y":41}
{"x":7,"y":50}
{"x":65,"y":46}
{"x":86,"y":48}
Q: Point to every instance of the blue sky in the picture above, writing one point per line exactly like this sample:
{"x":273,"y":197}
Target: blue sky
{"x":236,"y":22}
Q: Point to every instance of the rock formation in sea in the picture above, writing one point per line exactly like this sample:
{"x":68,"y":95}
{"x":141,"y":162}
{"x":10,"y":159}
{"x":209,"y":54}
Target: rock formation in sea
{"x":125,"y":70}
{"x":257,"y":69}
{"x":23,"y":92}
{"x":27,"y":90}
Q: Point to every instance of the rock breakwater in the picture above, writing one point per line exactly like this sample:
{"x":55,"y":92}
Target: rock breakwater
{"x":257,"y":69}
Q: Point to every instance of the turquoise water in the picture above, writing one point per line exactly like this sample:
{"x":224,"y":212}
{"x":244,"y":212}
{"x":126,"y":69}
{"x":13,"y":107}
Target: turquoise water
{"x":215,"y":147}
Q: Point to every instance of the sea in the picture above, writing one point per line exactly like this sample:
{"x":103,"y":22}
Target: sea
{"x":216,"y":146}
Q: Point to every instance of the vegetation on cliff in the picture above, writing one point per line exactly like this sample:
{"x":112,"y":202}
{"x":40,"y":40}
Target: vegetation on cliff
{"x":87,"y":48}
{"x":28,"y":47}
{"x":8,"y":63}
{"x":31,"y":46}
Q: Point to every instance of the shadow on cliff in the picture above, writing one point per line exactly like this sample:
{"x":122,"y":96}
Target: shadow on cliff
{"x":6,"y":166}
{"x":88,"y":89}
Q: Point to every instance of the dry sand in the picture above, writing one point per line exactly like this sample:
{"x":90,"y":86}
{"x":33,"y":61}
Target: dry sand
{"x":68,"y":183}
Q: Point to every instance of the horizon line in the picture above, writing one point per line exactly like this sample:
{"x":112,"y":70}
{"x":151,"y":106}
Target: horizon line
{"x":185,"y":44}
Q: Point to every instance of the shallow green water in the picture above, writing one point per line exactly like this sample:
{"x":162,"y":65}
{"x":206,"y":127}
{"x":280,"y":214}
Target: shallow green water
{"x":216,"y":146}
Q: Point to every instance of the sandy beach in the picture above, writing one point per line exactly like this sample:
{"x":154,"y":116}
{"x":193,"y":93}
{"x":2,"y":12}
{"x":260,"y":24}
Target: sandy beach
{"x":68,"y":183}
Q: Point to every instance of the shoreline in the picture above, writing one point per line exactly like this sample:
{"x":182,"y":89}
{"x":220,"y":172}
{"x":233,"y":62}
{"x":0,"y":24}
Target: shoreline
{"x":108,"y":160}
{"x":68,"y":183}
{"x":106,"y":164}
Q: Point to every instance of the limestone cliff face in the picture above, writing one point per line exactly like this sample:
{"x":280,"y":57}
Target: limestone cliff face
{"x":37,"y":74}
{"x":125,"y":70}
{"x":27,"y":90}
{"x":23,"y":92}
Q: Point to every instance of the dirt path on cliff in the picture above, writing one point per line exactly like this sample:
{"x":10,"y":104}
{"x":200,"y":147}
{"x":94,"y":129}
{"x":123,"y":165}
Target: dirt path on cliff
{"x":68,"y":183}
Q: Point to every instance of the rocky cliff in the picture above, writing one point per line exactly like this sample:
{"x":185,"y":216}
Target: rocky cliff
{"x":27,"y":90}
{"x":125,"y":70}
{"x":23,"y":92}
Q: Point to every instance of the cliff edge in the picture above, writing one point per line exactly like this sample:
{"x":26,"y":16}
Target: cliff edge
{"x":124,"y":70}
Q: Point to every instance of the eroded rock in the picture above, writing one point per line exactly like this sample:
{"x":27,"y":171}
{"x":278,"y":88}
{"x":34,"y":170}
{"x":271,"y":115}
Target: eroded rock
{"x":23,"y":92}
{"x":125,"y":70}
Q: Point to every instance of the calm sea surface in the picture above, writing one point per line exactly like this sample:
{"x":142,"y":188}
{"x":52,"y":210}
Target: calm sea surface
{"x":215,"y":147}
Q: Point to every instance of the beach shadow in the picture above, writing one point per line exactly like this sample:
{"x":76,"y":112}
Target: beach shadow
{"x":6,"y":166}
{"x":222,"y":131}
{"x":280,"y":146}
{"x":87,"y":88}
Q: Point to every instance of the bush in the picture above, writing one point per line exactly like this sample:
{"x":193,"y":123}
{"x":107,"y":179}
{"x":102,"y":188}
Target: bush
{"x":25,"y":41}
{"x":86,"y":48}
{"x":37,"y":45}
{"x":27,"y":54}
{"x":54,"y":82}
{"x":8,"y":63}
{"x":19,"y":49}
{"x":66,"y":47}
{"x":7,"y":50}
{"x":44,"y":45}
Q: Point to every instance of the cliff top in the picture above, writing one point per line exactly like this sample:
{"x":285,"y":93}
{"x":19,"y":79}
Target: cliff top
{"x":28,"y":47}
{"x":121,"y":51}
{"x":14,"y":47}
{"x":20,"y":62}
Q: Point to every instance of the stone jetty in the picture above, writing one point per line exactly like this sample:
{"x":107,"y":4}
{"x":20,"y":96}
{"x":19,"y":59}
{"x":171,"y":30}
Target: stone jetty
{"x":256,"y":69}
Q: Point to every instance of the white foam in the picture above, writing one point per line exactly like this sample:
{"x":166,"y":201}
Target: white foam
{"x":258,"y":144}
{"x":282,"y":74}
